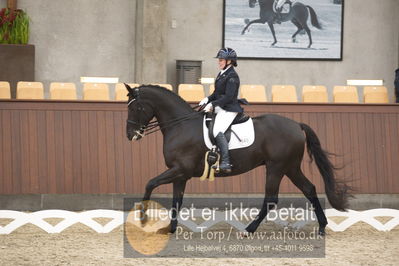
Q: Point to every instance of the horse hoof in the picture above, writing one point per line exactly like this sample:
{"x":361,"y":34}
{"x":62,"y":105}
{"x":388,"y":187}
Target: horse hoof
{"x":322,"y":231}
{"x":172,"y":228}
{"x":164,"y":231}
{"x":293,"y":40}
{"x":244,"y":234}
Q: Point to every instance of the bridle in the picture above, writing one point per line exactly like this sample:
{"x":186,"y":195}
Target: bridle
{"x":151,"y":127}
{"x":140,"y":124}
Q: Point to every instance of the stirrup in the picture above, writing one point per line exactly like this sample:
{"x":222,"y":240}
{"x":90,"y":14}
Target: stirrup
{"x":226,"y":170}
{"x":211,"y":165}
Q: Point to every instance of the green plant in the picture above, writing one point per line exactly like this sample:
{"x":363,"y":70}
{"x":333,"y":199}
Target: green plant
{"x":14,"y":26}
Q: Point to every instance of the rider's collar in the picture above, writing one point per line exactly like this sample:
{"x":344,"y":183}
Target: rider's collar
{"x":224,"y":70}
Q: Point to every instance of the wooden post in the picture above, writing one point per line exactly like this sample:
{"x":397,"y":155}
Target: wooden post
{"x":12,"y":4}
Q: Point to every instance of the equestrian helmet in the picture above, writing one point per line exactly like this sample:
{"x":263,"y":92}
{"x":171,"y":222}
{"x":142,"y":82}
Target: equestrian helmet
{"x":227,"y":54}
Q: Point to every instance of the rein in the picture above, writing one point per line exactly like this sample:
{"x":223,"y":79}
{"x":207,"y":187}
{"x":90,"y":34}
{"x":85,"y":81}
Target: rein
{"x":149,"y":129}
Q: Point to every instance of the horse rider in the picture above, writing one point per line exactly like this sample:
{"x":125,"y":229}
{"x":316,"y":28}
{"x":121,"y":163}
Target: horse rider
{"x":224,"y":102}
{"x":279,"y":4}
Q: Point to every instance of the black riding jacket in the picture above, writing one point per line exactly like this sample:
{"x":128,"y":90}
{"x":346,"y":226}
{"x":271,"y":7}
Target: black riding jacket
{"x":226,"y":91}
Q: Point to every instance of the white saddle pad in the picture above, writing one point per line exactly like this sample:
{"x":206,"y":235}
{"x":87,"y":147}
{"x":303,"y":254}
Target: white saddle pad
{"x":245,"y":131}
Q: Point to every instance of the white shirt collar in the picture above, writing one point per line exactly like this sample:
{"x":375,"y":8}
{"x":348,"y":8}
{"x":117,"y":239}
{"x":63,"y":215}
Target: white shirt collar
{"x":222,"y":71}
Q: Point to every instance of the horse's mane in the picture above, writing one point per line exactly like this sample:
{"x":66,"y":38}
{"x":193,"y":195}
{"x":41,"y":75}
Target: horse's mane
{"x":167,"y":92}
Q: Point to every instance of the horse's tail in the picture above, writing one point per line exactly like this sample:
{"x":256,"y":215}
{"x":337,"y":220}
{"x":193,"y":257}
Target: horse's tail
{"x":314,"y":19}
{"x":337,"y":191}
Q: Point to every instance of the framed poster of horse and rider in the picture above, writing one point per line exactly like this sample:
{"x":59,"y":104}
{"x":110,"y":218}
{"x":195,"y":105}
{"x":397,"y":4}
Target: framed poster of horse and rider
{"x":284,"y":29}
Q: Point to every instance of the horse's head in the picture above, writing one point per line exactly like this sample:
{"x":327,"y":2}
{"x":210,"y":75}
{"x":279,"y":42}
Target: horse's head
{"x":252,"y":3}
{"x":140,"y":113}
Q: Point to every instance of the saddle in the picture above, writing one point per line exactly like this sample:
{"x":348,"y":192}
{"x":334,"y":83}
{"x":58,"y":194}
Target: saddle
{"x":210,"y":121}
{"x":212,"y":156}
{"x":283,"y":11}
{"x":285,"y":6}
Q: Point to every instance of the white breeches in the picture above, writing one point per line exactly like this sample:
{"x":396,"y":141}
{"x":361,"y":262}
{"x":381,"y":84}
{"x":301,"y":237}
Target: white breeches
{"x":223,"y":120}
{"x":280,"y":3}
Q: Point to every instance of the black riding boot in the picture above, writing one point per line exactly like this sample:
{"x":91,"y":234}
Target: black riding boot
{"x":223,"y":146}
{"x":279,"y":17}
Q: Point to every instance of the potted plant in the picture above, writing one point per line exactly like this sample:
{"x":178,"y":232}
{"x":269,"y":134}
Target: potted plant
{"x":14,"y":26}
{"x":17,"y":57}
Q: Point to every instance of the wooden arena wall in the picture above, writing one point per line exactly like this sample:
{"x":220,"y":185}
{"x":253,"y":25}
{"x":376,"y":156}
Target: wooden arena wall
{"x":51,"y":147}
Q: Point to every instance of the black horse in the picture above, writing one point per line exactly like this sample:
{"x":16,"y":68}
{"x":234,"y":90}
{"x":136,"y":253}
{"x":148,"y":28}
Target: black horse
{"x":298,"y":15}
{"x":279,"y":144}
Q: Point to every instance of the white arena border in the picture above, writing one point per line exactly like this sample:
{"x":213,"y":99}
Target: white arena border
{"x":86,"y":218}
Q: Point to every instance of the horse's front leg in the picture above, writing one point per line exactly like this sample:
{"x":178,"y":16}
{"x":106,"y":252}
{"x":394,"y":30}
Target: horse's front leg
{"x":252,"y":22}
{"x":166,"y":177}
{"x":271,"y":26}
{"x":178,"y":193}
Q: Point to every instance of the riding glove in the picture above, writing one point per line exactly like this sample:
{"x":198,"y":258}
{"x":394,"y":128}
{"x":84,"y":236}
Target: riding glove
{"x":204,"y":101}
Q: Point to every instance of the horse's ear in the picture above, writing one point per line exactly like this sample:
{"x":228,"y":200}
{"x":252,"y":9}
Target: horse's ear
{"x":129,"y":89}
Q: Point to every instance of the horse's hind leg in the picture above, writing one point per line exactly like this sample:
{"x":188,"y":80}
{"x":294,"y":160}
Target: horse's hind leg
{"x":274,"y":174}
{"x":309,"y":34}
{"x":309,"y":190}
{"x":298,"y":31}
